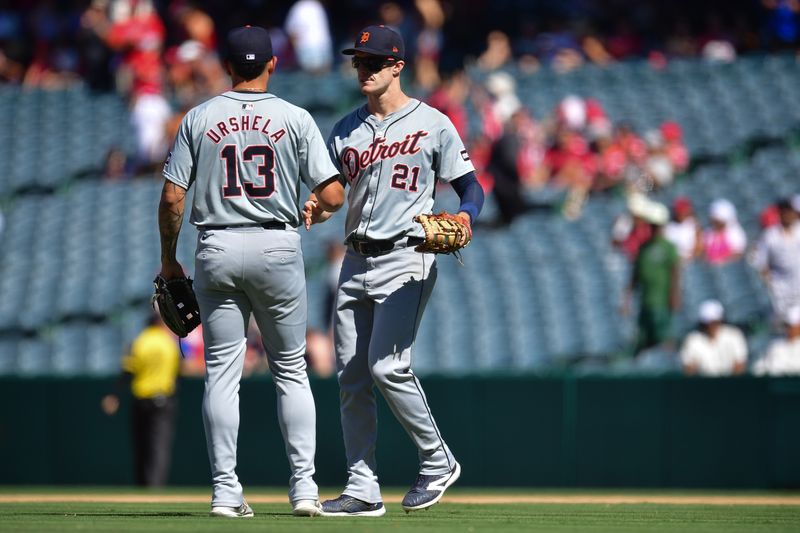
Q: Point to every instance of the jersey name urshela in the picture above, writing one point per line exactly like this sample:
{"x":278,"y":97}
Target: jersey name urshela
{"x":243,"y":123}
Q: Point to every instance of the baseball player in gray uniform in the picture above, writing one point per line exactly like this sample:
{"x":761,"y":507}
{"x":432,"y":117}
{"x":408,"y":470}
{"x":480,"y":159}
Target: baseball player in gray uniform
{"x":391,"y":152}
{"x":246,"y":152}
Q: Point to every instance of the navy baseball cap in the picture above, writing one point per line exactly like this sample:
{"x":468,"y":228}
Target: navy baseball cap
{"x":379,"y":41}
{"x":249,"y":44}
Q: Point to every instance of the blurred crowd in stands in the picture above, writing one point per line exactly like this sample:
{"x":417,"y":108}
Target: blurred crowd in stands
{"x":660,"y":244}
{"x":463,"y":58}
{"x":47,"y":42}
{"x":163,"y":55}
{"x":576,"y":148}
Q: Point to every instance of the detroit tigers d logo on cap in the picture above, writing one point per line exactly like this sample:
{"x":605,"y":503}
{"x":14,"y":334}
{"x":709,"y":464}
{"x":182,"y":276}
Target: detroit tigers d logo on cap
{"x":378,"y":40}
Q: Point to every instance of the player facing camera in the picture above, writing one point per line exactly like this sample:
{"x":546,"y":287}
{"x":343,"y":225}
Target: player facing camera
{"x":392,"y":152}
{"x":375,"y":49}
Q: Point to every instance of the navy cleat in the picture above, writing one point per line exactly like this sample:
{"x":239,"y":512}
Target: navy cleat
{"x":346,"y":505}
{"x":428,"y":490}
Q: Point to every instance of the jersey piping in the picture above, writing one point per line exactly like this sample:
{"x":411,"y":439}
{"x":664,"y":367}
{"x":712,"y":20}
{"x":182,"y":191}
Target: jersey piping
{"x":267,"y":96}
{"x":377,"y":186}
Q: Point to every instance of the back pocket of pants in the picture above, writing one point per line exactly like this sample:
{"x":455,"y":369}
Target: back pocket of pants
{"x":280,"y":254}
{"x":208,"y":252}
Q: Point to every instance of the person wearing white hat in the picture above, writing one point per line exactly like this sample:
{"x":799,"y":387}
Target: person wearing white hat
{"x":782,"y":357}
{"x":725,"y":240}
{"x":777,"y":258}
{"x":630,"y":231}
{"x":656,"y":275}
{"x":715,"y":348}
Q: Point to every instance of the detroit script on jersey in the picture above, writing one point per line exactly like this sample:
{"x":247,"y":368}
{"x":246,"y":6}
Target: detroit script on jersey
{"x":353,"y":161}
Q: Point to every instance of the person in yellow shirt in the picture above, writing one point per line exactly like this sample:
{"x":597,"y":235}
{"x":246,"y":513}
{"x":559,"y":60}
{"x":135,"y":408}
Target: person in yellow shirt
{"x":151,"y":368}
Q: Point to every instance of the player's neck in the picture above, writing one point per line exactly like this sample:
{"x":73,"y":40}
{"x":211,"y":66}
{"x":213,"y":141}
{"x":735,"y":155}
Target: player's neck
{"x":387,"y":102}
{"x":256,"y":85}
{"x":250,"y":87}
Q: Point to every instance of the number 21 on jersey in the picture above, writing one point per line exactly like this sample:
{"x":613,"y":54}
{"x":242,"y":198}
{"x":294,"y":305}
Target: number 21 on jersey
{"x":400,"y":177}
{"x":264,"y":158}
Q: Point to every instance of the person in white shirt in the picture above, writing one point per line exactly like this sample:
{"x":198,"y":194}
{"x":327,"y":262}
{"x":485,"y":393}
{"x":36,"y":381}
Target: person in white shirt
{"x":715,"y":349}
{"x":782,"y":357}
{"x":777,"y":258}
{"x":683,"y":230}
{"x":307,"y":27}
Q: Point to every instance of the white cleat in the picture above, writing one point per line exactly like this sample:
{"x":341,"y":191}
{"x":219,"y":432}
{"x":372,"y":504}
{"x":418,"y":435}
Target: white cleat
{"x":307,"y":508}
{"x":243,"y":511}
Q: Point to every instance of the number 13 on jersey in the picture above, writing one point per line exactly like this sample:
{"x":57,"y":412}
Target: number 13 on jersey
{"x":265,"y":168}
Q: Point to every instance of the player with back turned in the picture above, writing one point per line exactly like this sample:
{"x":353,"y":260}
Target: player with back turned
{"x":391,"y":152}
{"x":246,"y":153}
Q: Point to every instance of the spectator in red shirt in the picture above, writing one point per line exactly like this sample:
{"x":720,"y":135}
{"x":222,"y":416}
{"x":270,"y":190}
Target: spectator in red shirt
{"x":611,"y":158}
{"x":449,"y":98}
{"x":634,"y":147}
{"x":569,"y":162}
{"x":769,"y":217}
{"x":675,"y":148}
{"x":135,"y":31}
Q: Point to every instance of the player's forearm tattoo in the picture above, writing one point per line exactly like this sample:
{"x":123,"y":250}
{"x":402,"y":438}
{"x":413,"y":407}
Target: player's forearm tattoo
{"x":170,"y":218}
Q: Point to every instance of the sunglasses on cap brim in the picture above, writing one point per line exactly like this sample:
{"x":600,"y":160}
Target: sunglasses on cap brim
{"x":372,"y":64}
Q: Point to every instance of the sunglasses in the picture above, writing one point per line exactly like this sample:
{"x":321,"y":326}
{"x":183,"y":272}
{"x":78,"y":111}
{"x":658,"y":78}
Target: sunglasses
{"x":372,"y":64}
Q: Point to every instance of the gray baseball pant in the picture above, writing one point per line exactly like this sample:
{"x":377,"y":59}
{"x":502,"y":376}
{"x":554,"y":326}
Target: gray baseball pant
{"x":238,"y":272}
{"x":379,"y":306}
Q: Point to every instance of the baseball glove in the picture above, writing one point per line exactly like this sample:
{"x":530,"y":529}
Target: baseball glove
{"x":444,"y":233}
{"x":177,"y":304}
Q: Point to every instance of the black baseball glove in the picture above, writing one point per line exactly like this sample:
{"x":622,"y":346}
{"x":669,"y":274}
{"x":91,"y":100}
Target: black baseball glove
{"x":177,"y":304}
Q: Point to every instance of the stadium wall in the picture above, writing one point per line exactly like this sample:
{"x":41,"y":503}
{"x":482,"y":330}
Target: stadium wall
{"x":506,"y":431}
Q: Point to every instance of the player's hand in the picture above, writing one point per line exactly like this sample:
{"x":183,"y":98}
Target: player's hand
{"x":109,"y":404}
{"x":308,"y":213}
{"x":171,"y":270}
{"x":464,"y":216}
{"x":314,"y":214}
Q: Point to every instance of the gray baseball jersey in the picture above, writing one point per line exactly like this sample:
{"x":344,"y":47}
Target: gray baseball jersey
{"x":244,"y":152}
{"x":392,"y":166}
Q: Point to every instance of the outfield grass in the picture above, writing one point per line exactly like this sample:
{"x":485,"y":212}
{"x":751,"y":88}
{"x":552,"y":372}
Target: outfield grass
{"x":444,"y":517}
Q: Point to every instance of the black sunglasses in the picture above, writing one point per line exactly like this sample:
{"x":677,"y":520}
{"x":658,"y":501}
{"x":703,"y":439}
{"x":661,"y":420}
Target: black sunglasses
{"x":372,"y":64}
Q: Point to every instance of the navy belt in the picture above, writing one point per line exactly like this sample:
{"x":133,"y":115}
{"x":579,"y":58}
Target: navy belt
{"x":380,"y":247}
{"x":266,"y":225}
